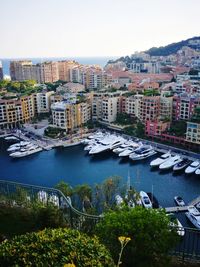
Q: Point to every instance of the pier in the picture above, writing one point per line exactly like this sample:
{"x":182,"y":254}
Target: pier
{"x":176,"y":209}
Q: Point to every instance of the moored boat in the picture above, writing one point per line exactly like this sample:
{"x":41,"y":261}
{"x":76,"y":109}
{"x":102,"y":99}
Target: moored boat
{"x":143,"y":156}
{"x":11,"y":138}
{"x":194,"y":216}
{"x":160,"y":160}
{"x":182,"y":164}
{"x":174,"y":222}
{"x":179,"y":201}
{"x":197,"y":172}
{"x":145,"y":200}
{"x":170,"y":162}
{"x":192,"y":167}
{"x":119,"y":200}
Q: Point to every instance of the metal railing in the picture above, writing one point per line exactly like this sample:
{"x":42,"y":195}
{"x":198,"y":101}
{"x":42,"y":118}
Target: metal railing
{"x":75,"y":218}
{"x":187,"y":249}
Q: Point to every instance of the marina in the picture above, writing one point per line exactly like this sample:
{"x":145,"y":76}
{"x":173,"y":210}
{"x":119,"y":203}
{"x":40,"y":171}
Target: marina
{"x":60,"y":163}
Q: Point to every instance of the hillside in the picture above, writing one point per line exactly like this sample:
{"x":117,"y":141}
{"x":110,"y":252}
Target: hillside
{"x":166,"y":50}
{"x":174,"y":47}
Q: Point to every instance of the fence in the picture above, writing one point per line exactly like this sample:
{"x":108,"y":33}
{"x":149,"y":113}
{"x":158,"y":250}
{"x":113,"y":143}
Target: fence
{"x":187,"y":249}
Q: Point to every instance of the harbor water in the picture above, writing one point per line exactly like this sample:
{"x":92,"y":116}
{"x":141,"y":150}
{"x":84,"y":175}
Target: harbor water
{"x":74,"y":166}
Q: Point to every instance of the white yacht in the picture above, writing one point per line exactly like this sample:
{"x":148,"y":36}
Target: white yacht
{"x":11,"y":138}
{"x":127,"y":151}
{"x":14,"y":148}
{"x":124,"y":146}
{"x":194,"y":216}
{"x":170,"y":162}
{"x":160,"y":160}
{"x":142,"y":152}
{"x":197,"y":172}
{"x":119,"y":200}
{"x":118,"y":143}
{"x":20,"y":154}
{"x":174,"y":222}
{"x":192,"y":167}
{"x":104,"y":144}
{"x":145,"y":200}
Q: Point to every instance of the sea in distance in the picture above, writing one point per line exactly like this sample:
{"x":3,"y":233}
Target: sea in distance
{"x":75,"y":166}
{"x":101,"y":61}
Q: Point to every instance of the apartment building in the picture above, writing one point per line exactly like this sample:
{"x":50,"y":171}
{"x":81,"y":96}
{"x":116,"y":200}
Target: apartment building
{"x":193,"y":132}
{"x":131,"y":105}
{"x":156,"y":128}
{"x":184,"y":106}
{"x":166,"y":105}
{"x":26,"y":70}
{"x":105,"y":106}
{"x":70,"y":116}
{"x":18,"y":70}
{"x":11,"y":114}
{"x":28,"y":110}
{"x":64,"y":68}
{"x":149,"y":108}
{"x":43,"y":102}
{"x":90,"y":76}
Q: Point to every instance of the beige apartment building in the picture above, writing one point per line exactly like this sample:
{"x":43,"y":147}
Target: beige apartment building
{"x":193,"y":132}
{"x":43,"y":102}
{"x":105,"y":106}
{"x":26,"y":70}
{"x":70,"y":116}
{"x":16,"y":111}
{"x":10,"y":113}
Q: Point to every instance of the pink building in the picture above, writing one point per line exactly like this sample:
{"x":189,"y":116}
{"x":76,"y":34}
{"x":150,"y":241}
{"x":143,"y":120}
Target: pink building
{"x":184,"y":106}
{"x":156,"y":128}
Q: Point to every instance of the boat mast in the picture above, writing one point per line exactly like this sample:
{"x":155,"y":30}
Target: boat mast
{"x":128,"y":182}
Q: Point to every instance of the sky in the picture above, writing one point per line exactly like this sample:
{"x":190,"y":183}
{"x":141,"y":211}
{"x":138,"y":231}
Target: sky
{"x":89,"y":28}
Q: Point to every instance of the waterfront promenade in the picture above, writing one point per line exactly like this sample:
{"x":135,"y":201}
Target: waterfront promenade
{"x":47,"y":143}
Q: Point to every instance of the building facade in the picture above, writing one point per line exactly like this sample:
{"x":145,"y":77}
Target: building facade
{"x":70,"y":116}
{"x":193,"y":132}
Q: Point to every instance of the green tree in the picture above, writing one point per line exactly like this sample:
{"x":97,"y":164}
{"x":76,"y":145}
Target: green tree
{"x":196,"y":116}
{"x":124,"y":119}
{"x":139,"y":131}
{"x":150,"y":233}
{"x":83,"y":191}
{"x":65,"y":188}
{"x":54,"y":248}
{"x":130,"y":130}
{"x":110,"y":187}
{"x":178,"y":128}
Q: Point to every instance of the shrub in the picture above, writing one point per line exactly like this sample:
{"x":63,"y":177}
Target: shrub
{"x":150,"y":233}
{"x":54,"y":248}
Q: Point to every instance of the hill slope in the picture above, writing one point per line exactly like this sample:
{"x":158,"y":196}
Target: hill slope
{"x":174,"y":47}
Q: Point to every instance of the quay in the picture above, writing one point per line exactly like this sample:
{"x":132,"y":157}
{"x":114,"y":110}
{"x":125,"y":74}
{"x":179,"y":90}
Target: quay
{"x":176,"y":209}
{"x":46,"y":143}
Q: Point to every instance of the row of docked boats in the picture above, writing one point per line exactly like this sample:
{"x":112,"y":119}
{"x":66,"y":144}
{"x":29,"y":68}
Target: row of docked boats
{"x":22,"y":149}
{"x":178,"y":163}
{"x":101,"y":142}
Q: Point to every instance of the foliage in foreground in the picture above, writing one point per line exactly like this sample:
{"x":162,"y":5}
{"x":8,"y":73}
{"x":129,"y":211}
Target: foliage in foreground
{"x":20,"y":220}
{"x":150,"y":233}
{"x":54,"y":248}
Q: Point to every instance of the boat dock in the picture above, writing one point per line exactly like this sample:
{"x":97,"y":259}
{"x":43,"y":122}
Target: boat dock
{"x":176,"y":209}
